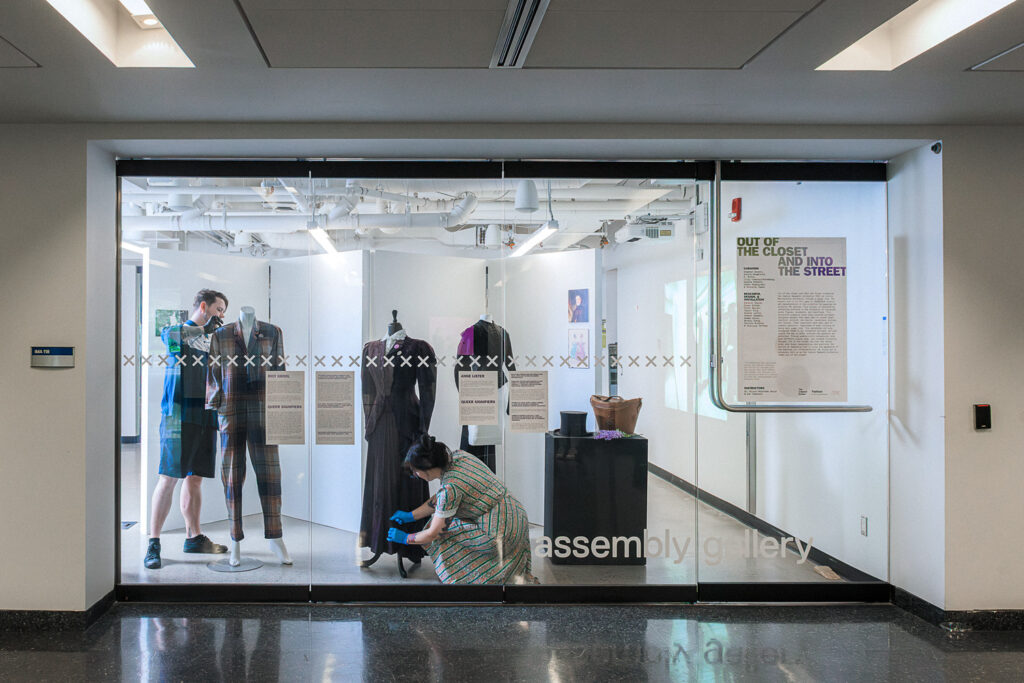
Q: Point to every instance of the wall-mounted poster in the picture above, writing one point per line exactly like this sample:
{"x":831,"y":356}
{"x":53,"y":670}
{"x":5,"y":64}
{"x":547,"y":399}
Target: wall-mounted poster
{"x":166,"y":316}
{"x":579,"y":305}
{"x":792,"y":318}
{"x":579,"y":348}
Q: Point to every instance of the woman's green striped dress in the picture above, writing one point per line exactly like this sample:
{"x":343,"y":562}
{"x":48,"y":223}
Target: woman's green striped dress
{"x":487,"y":539}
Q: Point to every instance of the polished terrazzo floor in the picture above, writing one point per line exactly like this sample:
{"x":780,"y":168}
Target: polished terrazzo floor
{"x":510,"y":643}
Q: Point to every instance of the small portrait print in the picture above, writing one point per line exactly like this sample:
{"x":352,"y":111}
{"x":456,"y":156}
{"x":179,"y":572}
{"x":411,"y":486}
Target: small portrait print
{"x":579,"y":347}
{"x":579,"y":305}
{"x":164,"y":317}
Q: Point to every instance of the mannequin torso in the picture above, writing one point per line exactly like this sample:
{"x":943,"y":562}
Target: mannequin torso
{"x":247,"y":319}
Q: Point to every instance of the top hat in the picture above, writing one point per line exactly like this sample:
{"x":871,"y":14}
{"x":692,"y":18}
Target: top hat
{"x":574,"y":423}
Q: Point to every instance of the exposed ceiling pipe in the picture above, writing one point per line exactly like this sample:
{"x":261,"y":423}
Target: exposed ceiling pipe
{"x":232,"y":224}
{"x":295,"y":197}
{"x":457,"y":216}
{"x":297,"y":241}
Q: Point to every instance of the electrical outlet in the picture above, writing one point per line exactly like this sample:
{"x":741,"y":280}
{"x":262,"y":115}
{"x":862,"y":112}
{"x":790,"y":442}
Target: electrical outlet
{"x":863,"y":525}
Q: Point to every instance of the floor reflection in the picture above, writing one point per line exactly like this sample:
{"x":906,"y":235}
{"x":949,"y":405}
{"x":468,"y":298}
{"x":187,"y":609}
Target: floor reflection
{"x":500,"y":643}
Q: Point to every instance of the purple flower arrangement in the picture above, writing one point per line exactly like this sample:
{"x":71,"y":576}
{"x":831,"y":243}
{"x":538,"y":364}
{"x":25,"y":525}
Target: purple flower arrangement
{"x":609,"y":434}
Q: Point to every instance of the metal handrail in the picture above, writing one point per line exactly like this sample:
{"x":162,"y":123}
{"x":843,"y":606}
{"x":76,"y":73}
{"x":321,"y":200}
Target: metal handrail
{"x":717,"y":395}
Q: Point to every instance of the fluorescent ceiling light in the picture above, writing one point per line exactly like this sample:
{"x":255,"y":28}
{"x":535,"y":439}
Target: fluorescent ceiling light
{"x":125,"y":42}
{"x":547,"y":230}
{"x":913,"y":31}
{"x":323,"y":240}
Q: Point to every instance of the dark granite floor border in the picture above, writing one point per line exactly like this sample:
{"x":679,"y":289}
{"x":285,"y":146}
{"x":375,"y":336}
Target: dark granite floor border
{"x":844,"y":570}
{"x":55,"y":620}
{"x":959,"y":620}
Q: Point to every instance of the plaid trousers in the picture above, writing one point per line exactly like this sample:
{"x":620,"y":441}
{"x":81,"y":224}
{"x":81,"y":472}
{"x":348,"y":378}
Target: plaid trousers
{"x":243,"y":428}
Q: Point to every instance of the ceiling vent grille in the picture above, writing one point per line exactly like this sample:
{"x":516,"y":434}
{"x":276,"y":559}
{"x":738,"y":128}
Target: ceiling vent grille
{"x":522,"y":19}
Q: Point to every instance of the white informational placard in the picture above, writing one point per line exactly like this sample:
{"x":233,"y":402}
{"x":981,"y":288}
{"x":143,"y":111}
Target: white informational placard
{"x":335,"y":408}
{"x":528,"y":401}
{"x":478,"y":397}
{"x":286,"y":408}
{"x":791,"y":319}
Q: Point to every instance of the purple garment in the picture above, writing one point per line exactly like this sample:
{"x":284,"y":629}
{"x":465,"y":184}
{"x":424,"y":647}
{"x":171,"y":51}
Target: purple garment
{"x":466,"y":343}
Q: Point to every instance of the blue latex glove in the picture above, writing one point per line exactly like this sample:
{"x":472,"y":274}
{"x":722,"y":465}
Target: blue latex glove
{"x":397,"y":536}
{"x":402,"y":517}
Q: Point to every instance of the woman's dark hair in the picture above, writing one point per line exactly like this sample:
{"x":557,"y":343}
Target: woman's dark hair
{"x":426,"y":454}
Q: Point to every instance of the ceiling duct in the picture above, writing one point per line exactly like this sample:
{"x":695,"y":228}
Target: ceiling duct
{"x":518,"y":29}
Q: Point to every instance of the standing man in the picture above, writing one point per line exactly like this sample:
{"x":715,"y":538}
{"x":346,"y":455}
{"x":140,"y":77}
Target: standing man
{"x":188,"y":431}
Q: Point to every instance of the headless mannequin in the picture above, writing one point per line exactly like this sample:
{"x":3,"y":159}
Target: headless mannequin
{"x":247,"y":319}
{"x":486,"y":317}
{"x":393,"y":327}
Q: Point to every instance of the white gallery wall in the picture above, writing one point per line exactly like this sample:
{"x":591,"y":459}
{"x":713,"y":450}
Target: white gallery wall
{"x":983,"y":362}
{"x":534,"y":291}
{"x":318,"y":302}
{"x":174,"y":279}
{"x":58,"y":472}
{"x":818,"y":473}
{"x":291,"y":279}
{"x":653,"y":291}
{"x":336,"y":326}
{"x":917,"y":476}
{"x":129,"y":338}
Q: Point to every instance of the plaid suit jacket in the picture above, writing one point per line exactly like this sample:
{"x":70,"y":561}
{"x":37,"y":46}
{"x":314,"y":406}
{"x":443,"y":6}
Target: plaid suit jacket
{"x":237,"y":377}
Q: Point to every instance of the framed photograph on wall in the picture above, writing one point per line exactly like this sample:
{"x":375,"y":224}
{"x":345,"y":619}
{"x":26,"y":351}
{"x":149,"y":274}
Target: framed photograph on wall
{"x":165,"y":316}
{"x":579,"y":348}
{"x":579,"y":305}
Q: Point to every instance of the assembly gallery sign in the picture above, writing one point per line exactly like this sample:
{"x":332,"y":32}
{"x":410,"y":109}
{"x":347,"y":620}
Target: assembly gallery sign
{"x":791,"y":318}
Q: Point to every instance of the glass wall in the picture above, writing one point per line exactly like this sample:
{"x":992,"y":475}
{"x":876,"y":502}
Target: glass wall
{"x":287,"y":340}
{"x":804,"y":328}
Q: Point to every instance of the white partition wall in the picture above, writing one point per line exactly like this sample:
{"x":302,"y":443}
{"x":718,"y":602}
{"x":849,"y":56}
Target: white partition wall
{"x":536,"y":290}
{"x":336,"y":314}
{"x":818,"y":474}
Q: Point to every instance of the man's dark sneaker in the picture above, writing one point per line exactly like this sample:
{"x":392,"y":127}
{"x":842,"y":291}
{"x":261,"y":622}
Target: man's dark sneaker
{"x":153,"y":554}
{"x":201,"y":544}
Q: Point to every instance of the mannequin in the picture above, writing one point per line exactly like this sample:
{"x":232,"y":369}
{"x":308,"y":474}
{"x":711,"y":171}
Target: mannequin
{"x":395,"y":417}
{"x":247,"y":319}
{"x":238,"y":393}
{"x":394,"y":326}
{"x":482,"y":341}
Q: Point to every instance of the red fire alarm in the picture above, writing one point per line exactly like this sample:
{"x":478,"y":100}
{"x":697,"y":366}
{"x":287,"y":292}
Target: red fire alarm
{"x":737,"y":210}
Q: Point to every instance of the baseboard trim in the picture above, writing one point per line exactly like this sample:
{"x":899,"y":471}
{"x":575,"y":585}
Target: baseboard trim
{"x":55,"y":620}
{"x":99,"y":608}
{"x":959,"y":620}
{"x":844,"y":570}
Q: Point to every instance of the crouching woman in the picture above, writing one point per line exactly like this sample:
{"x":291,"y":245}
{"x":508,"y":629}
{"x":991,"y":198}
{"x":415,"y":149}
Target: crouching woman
{"x":479,"y":532}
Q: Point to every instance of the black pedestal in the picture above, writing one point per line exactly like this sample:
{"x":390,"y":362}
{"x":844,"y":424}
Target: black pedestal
{"x":595,"y":489}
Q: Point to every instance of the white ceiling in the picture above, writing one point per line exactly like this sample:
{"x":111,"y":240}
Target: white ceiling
{"x":397,"y":39}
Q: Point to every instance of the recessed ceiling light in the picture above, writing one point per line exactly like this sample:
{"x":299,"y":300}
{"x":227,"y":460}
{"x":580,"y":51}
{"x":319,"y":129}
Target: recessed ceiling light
{"x":913,"y":31}
{"x":136,"y":7}
{"x":144,"y":42}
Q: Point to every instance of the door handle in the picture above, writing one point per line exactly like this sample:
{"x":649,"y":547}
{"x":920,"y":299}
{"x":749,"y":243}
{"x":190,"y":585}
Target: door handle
{"x":715,"y":388}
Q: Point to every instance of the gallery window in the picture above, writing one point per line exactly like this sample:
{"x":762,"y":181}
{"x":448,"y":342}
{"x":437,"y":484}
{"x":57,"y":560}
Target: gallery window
{"x":290,"y":340}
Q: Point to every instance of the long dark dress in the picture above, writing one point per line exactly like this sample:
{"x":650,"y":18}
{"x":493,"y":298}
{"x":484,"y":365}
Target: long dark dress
{"x":395,"y":418}
{"x":484,"y":346}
